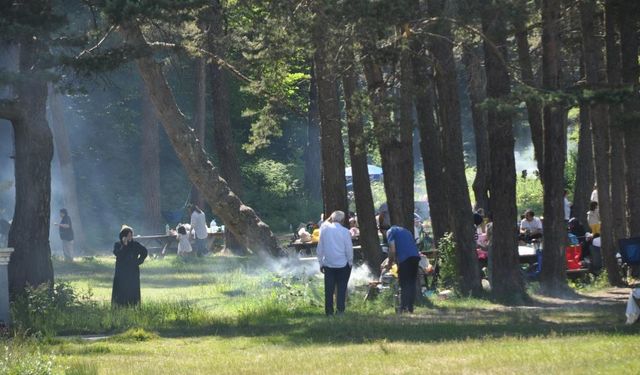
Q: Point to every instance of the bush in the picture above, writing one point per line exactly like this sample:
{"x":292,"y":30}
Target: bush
{"x":22,"y":360}
{"x":46,"y":311}
{"x":529,"y":194}
{"x":448,"y":262}
{"x":38,"y":309}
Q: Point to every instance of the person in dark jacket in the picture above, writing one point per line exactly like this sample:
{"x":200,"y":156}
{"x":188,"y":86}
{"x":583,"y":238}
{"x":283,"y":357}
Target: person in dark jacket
{"x":126,"y":281}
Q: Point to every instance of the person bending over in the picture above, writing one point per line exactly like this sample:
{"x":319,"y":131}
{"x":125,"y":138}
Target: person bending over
{"x":404,"y":252}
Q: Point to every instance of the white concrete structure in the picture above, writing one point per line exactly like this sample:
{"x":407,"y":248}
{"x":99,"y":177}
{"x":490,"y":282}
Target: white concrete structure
{"x":5,"y":255}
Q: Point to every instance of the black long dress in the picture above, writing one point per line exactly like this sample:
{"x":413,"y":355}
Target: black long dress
{"x":126,"y":281}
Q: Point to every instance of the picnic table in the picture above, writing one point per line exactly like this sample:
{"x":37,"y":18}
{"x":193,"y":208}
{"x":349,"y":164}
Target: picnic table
{"x":160,"y":243}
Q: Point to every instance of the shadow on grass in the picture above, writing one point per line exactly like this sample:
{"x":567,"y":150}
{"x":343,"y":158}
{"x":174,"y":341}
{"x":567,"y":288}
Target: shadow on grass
{"x":362,"y":328}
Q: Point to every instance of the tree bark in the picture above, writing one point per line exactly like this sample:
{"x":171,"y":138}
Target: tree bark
{"x":460,"y":216}
{"x":629,"y":51}
{"x":431,"y":146}
{"x":222,"y":127}
{"x":506,"y":278}
{"x":405,"y":154}
{"x":553,"y":276}
{"x":358,"y":152}
{"x":30,"y":262}
{"x":200,"y":117}
{"x":593,"y":63}
{"x":618,"y":188}
{"x":534,"y":107}
{"x":394,"y":140}
{"x":477,"y":84}
{"x":150,"y":156}
{"x":63,"y":151}
{"x":334,"y":184}
{"x":312,"y":150}
{"x":585,"y":169}
{"x":241,"y":220}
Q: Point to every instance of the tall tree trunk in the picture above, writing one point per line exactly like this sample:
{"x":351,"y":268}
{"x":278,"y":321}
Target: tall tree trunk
{"x":30,"y":262}
{"x":241,"y":220}
{"x":506,"y":282}
{"x":150,"y":156}
{"x":405,"y":153}
{"x":222,"y":128}
{"x":394,"y":139}
{"x":534,"y":107}
{"x":63,"y":151}
{"x":618,"y":188}
{"x":593,"y":63}
{"x":629,"y":16}
{"x":392,"y":157}
{"x":553,"y":276}
{"x":200,"y":118}
{"x":460,"y":216}
{"x":584,"y":170}
{"x":358,"y":152}
{"x":312,"y":150}
{"x":477,"y":83}
{"x":431,"y":146}
{"x":334,"y":185}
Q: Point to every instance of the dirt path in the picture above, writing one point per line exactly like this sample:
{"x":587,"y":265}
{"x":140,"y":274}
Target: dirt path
{"x":601,"y":298}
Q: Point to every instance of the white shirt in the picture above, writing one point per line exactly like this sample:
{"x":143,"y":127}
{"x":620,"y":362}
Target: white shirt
{"x":335,"y":249}
{"x":535,"y":225}
{"x":183,"y":243}
{"x":199,"y":225}
{"x":594,"y":195}
{"x":567,"y":209}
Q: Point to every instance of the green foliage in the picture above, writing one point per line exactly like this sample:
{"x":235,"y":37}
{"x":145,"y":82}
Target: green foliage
{"x":135,"y":334}
{"x":279,"y":200}
{"x":23,"y":359}
{"x":46,"y":311}
{"x":38,"y":309}
{"x":448,"y":264}
{"x":529,"y":194}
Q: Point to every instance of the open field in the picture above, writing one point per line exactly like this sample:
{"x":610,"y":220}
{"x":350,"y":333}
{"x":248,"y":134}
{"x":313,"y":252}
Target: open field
{"x":233,"y":315}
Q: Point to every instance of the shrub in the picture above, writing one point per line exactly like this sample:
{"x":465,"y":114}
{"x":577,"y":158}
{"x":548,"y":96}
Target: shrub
{"x":46,"y":311}
{"x":529,"y":194}
{"x":38,"y":309}
{"x":448,"y":262}
{"x":20,"y":360}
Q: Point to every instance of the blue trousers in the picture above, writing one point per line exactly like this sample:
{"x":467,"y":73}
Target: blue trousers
{"x":201,"y":246}
{"x":335,"y":278}
{"x":407,"y":273}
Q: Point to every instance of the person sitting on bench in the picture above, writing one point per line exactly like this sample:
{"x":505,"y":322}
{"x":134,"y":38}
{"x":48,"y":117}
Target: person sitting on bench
{"x":530,"y":227}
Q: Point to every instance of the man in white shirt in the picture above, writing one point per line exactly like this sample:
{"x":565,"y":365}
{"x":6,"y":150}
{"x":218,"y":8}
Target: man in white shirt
{"x":199,"y":227}
{"x":335,"y":255}
{"x":530,"y":227}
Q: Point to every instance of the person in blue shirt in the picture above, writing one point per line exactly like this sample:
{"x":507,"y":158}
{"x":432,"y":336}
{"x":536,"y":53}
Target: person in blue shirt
{"x":404,"y":252}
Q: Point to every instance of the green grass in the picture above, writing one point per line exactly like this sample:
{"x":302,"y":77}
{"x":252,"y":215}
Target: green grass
{"x":230,"y":315}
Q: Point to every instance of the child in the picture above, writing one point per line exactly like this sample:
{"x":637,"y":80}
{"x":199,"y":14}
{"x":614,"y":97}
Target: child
{"x":184,"y":246}
{"x":353,"y":228}
{"x":593,"y":217}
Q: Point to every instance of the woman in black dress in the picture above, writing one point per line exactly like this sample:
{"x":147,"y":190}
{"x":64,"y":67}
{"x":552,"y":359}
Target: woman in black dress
{"x":126,"y":281}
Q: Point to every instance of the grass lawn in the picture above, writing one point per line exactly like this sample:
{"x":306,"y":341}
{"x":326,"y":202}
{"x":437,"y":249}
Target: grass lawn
{"x":224,"y":315}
